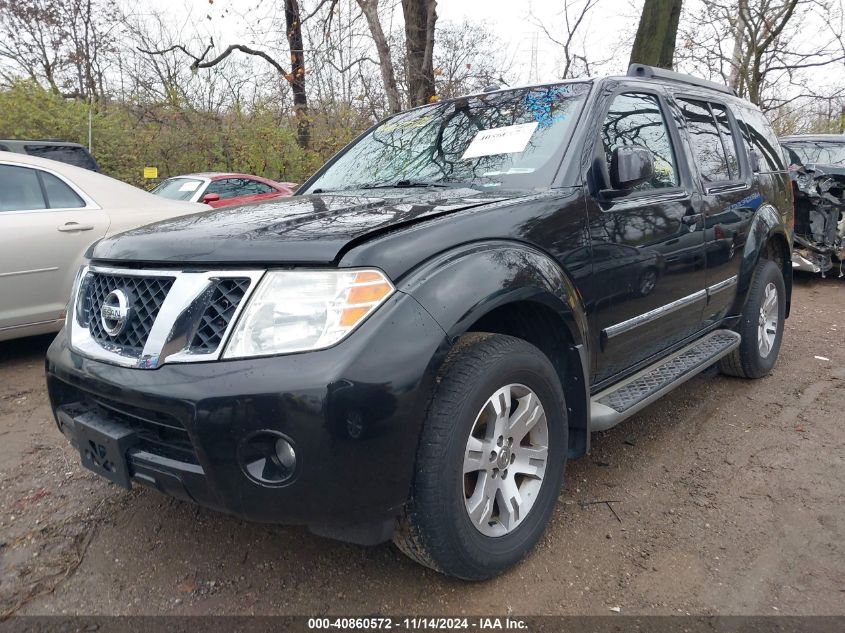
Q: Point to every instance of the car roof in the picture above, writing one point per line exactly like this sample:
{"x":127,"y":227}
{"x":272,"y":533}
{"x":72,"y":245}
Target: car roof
{"x":836,"y":138}
{"x":49,"y":142}
{"x":107,"y":192}
{"x":217,"y":175}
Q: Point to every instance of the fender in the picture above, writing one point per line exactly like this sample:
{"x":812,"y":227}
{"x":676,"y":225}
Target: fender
{"x":766,"y":225}
{"x":462,"y":285}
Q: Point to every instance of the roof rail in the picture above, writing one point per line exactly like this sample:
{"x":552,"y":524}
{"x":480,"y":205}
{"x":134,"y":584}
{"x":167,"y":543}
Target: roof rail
{"x":652,"y":72}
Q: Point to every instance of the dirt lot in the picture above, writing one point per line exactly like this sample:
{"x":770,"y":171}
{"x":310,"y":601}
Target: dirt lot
{"x":725,"y":497}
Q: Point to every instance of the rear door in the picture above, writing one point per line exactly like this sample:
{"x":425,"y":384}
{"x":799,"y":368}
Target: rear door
{"x":46,"y":225}
{"x":648,"y":243}
{"x":729,"y":197}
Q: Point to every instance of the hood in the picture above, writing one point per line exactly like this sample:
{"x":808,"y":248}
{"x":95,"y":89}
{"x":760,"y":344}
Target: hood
{"x":294,"y":230}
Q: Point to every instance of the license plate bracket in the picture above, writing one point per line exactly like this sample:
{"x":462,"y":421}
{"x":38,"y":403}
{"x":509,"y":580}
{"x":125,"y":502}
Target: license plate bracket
{"x":103,"y":446}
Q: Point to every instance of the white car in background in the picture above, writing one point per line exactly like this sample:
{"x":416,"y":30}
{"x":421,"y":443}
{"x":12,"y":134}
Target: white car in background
{"x":50,"y":213}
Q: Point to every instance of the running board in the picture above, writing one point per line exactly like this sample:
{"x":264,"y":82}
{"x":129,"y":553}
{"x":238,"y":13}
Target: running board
{"x":609,"y":407}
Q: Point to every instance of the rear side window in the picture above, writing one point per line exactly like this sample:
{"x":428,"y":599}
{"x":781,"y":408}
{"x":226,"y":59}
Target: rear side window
{"x":59,"y":195}
{"x":3,"y":148}
{"x":760,"y":138}
{"x":77,"y":156}
{"x":637,"y":119}
{"x":710,"y":155}
{"x":728,"y":139}
{"x":20,"y":189}
{"x":253,"y":187}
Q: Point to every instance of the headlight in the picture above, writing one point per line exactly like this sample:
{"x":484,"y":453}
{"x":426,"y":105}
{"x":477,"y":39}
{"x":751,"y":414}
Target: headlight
{"x":296,"y":311}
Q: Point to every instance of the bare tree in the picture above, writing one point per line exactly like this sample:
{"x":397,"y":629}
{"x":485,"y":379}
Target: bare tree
{"x":388,"y":76}
{"x":774,"y":43}
{"x":295,"y":76}
{"x":654,"y":43}
{"x":573,"y":14}
{"x":60,"y":43}
{"x":420,"y":18}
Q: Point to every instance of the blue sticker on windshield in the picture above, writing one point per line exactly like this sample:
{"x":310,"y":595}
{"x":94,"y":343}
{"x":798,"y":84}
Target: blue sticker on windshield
{"x":544,"y":105}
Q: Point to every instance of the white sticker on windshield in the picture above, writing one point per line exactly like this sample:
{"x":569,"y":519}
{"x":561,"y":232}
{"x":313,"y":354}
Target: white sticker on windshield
{"x":511,"y":139}
{"x":190,"y":185}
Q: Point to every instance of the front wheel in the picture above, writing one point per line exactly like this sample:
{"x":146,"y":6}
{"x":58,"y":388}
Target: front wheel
{"x":490,"y":461}
{"x":761,"y":325}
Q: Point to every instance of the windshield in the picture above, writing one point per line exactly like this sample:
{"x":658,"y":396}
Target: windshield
{"x":512,"y":139}
{"x":178,"y":188}
{"x":816,"y":152}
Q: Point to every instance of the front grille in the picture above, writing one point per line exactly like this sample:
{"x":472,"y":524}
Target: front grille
{"x":158,"y":433}
{"x":225,"y":298}
{"x":145,"y":295}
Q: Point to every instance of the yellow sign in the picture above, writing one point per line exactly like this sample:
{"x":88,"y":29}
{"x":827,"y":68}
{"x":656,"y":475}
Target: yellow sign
{"x":150,"y":172}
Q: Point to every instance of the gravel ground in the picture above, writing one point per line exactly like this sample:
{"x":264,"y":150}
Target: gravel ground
{"x":725,"y":497}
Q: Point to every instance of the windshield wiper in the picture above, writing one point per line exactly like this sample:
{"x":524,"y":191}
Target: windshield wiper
{"x":407,"y":184}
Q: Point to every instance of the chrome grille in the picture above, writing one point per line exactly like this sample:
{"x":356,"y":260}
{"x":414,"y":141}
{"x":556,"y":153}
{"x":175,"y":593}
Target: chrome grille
{"x":215,"y":319}
{"x":146,"y":296}
{"x":159,"y":315}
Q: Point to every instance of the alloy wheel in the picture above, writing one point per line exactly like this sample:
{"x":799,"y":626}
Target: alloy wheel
{"x":505,"y":460}
{"x":768,"y":323}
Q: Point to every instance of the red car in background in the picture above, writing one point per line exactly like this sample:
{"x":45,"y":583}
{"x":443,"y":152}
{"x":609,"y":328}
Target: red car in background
{"x":222,"y":189}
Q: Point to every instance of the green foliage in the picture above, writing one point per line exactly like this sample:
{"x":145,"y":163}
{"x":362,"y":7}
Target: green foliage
{"x":178,"y":140}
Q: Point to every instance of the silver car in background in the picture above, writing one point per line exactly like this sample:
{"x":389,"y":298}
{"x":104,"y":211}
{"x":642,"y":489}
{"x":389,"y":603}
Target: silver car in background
{"x":50,"y":213}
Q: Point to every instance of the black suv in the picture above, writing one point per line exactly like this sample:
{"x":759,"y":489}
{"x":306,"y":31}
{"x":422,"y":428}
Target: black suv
{"x":414,"y":344}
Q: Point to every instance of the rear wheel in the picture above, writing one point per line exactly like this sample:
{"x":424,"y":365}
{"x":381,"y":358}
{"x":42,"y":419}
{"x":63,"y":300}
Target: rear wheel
{"x":490,"y":461}
{"x":761,"y":325}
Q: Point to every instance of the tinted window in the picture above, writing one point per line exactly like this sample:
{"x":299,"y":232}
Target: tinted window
{"x":77,"y":156}
{"x":3,"y":148}
{"x":637,"y":119}
{"x":59,"y":195}
{"x":227,"y":188}
{"x":20,"y":189}
{"x":760,"y":137}
{"x":706,"y":142}
{"x":728,"y":138}
{"x":253,"y":187}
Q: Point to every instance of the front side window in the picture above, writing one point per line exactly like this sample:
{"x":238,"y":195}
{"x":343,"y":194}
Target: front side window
{"x":20,"y":189}
{"x":707,"y":144}
{"x":637,"y":119}
{"x":512,"y":139}
{"x":227,"y":188}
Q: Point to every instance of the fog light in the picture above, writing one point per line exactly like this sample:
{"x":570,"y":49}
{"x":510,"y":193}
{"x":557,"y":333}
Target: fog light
{"x":285,"y":454}
{"x":268,"y":457}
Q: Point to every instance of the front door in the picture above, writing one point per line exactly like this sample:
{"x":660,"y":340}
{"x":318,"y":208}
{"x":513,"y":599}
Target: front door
{"x":647,"y":244}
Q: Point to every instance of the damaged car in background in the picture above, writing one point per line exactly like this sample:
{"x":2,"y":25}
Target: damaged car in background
{"x":817,"y":166}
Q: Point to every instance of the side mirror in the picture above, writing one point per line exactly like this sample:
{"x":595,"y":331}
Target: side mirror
{"x":630,"y":166}
{"x":211,"y":197}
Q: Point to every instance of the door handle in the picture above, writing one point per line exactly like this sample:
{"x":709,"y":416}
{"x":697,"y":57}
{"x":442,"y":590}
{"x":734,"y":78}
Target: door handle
{"x":692,"y":220}
{"x":73,"y":227}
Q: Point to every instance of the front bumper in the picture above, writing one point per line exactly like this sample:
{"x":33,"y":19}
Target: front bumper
{"x":353,"y":413}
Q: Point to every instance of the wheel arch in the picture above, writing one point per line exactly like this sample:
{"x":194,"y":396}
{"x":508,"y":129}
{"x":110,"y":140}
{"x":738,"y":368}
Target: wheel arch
{"x":514,"y":289}
{"x":768,"y":238}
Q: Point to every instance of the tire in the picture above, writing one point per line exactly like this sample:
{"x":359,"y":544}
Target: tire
{"x":436,"y":529}
{"x":753,"y":359}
